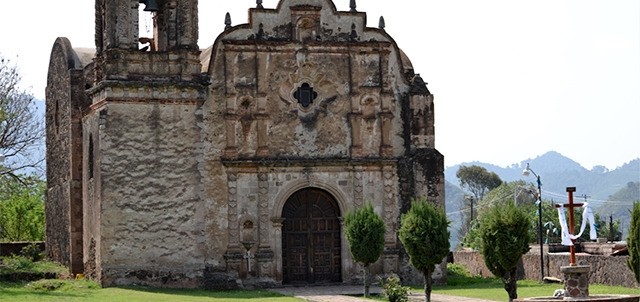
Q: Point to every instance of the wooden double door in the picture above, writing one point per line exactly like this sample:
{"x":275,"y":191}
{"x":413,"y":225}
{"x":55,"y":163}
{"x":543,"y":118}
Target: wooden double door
{"x":311,"y":238}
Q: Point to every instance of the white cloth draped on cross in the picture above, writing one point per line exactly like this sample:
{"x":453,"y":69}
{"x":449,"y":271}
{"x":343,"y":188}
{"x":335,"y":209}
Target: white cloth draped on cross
{"x":587,"y":216}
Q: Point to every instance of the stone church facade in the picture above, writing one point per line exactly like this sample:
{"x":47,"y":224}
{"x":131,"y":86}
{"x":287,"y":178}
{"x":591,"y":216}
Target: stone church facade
{"x":232,"y":166}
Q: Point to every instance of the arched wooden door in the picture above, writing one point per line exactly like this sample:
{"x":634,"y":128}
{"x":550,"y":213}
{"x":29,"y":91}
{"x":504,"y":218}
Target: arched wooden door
{"x":311,"y":238}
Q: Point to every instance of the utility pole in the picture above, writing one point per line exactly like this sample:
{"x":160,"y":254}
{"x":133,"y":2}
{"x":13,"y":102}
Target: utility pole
{"x":611,"y":228}
{"x":471,"y":200}
{"x":585,"y":196}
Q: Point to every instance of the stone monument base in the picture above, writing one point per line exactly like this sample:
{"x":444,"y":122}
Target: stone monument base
{"x":576,"y":281}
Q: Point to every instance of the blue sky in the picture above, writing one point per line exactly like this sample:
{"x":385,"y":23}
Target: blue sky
{"x":512,"y":79}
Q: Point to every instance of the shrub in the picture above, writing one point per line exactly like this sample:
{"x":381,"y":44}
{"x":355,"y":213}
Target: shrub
{"x":33,"y":252}
{"x":61,"y":285}
{"x":17,"y":263}
{"x":394,"y":291}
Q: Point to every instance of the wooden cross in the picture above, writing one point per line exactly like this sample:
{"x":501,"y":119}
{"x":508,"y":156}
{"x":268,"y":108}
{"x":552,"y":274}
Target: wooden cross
{"x":249,"y":257}
{"x":571,"y":206}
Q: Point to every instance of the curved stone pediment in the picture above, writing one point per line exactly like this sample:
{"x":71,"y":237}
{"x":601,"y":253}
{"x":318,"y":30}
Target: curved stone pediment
{"x":303,"y":21}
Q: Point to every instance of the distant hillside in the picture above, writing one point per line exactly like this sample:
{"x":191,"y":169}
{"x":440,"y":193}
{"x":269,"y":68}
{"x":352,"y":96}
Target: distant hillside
{"x":557,"y":172}
{"x":453,"y":199}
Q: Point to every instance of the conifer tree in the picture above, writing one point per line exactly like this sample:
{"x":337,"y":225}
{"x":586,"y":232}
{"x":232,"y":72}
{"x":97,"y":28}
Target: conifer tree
{"x":365,"y":230}
{"x":505,"y":236}
{"x":425,"y":237}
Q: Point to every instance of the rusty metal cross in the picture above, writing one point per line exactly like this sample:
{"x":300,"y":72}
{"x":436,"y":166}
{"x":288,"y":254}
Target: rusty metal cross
{"x":571,"y":205}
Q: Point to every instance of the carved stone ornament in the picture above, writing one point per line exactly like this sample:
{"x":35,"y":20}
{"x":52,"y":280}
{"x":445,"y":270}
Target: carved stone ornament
{"x":307,"y":87}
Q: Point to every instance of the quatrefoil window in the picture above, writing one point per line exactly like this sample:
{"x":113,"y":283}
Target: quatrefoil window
{"x":305,"y":95}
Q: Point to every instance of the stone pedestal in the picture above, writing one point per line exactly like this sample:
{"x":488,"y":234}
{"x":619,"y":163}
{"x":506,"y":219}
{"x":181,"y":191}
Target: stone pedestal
{"x":576,"y":281}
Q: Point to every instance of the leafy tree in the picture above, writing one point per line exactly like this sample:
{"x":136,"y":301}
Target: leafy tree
{"x":425,"y":237}
{"x":365,"y":231}
{"x":478,"y":181}
{"x":505,"y":234}
{"x":20,"y":130}
{"x":516,"y":192}
{"x":633,"y":241}
{"x":21,"y":209}
{"x":608,"y":229}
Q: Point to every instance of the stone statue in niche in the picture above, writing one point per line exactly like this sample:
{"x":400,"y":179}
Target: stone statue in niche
{"x":247,"y":231}
{"x":246,"y":114}
{"x":306,"y":30}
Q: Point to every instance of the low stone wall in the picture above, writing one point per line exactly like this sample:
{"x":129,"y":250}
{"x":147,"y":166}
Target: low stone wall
{"x":14,"y":248}
{"x":607,"y":270}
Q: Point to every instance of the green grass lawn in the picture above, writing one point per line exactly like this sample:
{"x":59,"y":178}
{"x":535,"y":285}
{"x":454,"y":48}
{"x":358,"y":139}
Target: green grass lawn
{"x":460,"y":283}
{"x":492,"y":289}
{"x":57,"y":290}
{"x":81,"y":290}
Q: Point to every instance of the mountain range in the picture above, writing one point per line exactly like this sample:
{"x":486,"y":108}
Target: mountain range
{"x":611,"y":192}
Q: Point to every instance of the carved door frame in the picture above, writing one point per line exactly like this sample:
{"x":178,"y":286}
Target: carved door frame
{"x":311,"y":238}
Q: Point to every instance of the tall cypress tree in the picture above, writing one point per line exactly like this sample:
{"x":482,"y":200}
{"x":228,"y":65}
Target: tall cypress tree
{"x":505,"y":236}
{"x":425,"y":237}
{"x":365,"y":230}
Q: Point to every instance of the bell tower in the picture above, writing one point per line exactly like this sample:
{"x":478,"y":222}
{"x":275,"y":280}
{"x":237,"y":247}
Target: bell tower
{"x":140,"y":130}
{"x":172,"y":52}
{"x":175,"y":24}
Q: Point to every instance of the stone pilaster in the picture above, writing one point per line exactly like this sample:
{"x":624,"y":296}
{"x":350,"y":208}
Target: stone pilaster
{"x":234,"y":241}
{"x":263,"y":209}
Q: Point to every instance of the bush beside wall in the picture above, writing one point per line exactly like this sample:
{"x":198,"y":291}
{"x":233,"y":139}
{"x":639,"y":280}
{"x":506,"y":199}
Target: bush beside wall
{"x":14,"y":248}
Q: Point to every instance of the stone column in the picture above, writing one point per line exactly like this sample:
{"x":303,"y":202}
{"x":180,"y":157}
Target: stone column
{"x":232,"y":211}
{"x":277,"y":247}
{"x":358,"y":189}
{"x":263,"y":210}
{"x":231,"y":150}
{"x":263,"y":135}
{"x":356,"y":134}
{"x":576,"y":281}
{"x":386,"y":150}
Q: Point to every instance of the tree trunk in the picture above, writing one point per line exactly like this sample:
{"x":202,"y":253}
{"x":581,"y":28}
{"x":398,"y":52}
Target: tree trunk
{"x":427,"y":284}
{"x":511,"y":284}
{"x":366,"y":281}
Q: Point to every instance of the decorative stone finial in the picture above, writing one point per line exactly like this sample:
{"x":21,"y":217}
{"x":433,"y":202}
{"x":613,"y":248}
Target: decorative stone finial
{"x":352,"y":5}
{"x":227,"y":21}
{"x":381,"y":24}
{"x":259,"y":4}
{"x":418,"y":86}
{"x":354,"y":35}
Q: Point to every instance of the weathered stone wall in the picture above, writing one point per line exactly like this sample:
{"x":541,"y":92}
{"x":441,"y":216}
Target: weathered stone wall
{"x":152,"y":228}
{"x":342,"y":121}
{"x":91,"y":196}
{"x":265,"y":143}
{"x":608,"y":270}
{"x":62,"y":189}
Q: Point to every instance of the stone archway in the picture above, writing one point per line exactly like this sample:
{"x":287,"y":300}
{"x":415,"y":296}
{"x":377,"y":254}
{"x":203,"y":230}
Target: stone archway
{"x":311,"y":238}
